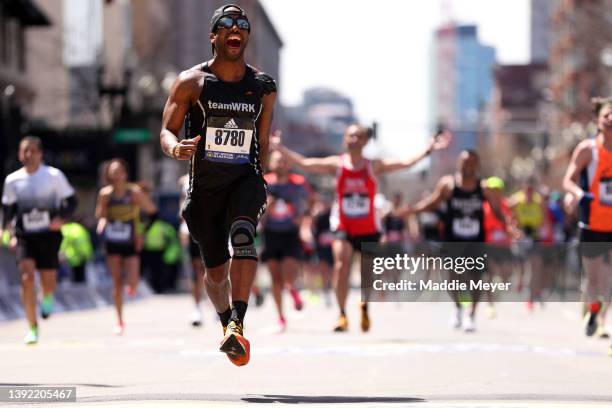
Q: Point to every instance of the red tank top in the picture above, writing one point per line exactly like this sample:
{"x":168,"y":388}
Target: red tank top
{"x":495,"y":231}
{"x":600,"y":185}
{"x":356,"y":189}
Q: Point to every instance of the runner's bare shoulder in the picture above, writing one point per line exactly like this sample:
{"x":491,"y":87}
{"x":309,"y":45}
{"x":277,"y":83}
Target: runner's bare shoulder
{"x":106,"y":191}
{"x":584,"y":148}
{"x":189,"y":83}
{"x":268,"y":84}
{"x":583,"y":153}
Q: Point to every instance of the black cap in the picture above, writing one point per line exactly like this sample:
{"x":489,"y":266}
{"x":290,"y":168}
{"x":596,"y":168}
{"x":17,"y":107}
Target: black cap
{"x":221,"y":12}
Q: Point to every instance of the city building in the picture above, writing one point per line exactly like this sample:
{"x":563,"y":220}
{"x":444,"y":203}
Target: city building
{"x":17,"y":92}
{"x":316,"y":126}
{"x":517,"y":123}
{"x":462,"y":88}
{"x":580,"y":68}
{"x":540,"y":30}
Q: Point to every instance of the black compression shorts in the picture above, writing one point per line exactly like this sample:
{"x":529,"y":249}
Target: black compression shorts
{"x":124,"y":250}
{"x":210,"y":214}
{"x":280,"y":245}
{"x":357,"y":240}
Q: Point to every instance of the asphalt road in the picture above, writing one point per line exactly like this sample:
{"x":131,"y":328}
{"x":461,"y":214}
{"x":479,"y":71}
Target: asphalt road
{"x":411,"y":357}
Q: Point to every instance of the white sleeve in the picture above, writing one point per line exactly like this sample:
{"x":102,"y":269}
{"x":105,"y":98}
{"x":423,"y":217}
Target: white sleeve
{"x":9,"y":197}
{"x":62,"y":186}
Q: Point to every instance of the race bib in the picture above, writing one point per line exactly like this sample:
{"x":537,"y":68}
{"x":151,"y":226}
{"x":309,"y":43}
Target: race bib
{"x":356,"y":205}
{"x":118,"y":232}
{"x":605,"y":191}
{"x":228,"y":140}
{"x":281,"y":210}
{"x":466,"y":227}
{"x":36,"y":221}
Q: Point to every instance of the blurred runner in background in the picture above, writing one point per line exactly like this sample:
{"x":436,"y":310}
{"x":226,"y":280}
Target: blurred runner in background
{"x":356,"y":188}
{"x":288,"y":194}
{"x":118,"y":213}
{"x":589,"y":181}
{"x":196,"y":262}
{"x":36,"y":201}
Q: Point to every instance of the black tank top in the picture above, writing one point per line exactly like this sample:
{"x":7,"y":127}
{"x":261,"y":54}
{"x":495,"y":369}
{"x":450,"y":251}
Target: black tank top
{"x":464,"y":217}
{"x":225,"y":116}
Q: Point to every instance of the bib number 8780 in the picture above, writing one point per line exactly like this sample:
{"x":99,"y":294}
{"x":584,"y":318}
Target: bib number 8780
{"x":235,"y":137}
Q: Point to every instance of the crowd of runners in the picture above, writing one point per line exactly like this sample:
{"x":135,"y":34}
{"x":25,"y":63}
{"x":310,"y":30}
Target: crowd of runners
{"x":246,"y":200}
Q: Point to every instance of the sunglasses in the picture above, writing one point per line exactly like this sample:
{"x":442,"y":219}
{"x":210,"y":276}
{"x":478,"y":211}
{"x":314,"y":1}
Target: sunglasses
{"x":228,"y":22}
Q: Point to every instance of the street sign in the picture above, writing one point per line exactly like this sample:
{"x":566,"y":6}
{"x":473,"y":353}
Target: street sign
{"x":131,"y":136}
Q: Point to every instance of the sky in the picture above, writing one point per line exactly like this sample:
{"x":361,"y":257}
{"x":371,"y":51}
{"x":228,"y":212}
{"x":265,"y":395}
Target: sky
{"x":377,"y":53}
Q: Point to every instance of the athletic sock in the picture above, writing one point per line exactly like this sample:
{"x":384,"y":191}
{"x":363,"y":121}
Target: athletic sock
{"x":225,"y":317}
{"x":239,"y":309}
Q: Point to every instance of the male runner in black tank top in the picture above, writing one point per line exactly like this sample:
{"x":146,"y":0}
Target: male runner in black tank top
{"x":464,"y":193}
{"x":227,"y":108}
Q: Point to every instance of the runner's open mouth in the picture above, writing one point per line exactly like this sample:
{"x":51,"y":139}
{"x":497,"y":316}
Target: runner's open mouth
{"x":234,"y":42}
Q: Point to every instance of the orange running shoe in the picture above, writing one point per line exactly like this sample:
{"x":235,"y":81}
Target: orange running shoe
{"x":342,"y":324}
{"x":237,"y":348}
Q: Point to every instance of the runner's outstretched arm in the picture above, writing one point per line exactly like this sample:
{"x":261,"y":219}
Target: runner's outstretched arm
{"x":438,"y":142}
{"x":263,"y":127}
{"x":434,"y":200}
{"x":318,"y":165}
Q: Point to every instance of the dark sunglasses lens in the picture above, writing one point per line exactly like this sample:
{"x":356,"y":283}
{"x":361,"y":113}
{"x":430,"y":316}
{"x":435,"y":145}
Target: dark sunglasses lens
{"x":225,"y":22}
{"x":243,"y":24}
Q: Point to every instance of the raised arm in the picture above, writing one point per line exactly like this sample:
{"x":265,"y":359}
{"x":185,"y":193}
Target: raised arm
{"x":437,"y":142}
{"x":318,"y":165}
{"x":182,"y":94}
{"x":435,"y":199}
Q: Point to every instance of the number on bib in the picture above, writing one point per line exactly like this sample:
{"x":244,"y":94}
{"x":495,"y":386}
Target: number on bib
{"x":605,"y":191}
{"x":466,"y":227}
{"x":228,"y":140}
{"x":36,"y":221}
{"x":356,"y":205}
{"x":118,"y":232}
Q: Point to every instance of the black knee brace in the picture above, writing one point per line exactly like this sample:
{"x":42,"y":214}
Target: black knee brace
{"x":242,"y":237}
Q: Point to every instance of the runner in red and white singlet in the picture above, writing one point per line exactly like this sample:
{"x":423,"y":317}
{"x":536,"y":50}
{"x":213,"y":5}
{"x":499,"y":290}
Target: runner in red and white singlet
{"x":355,"y":220}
